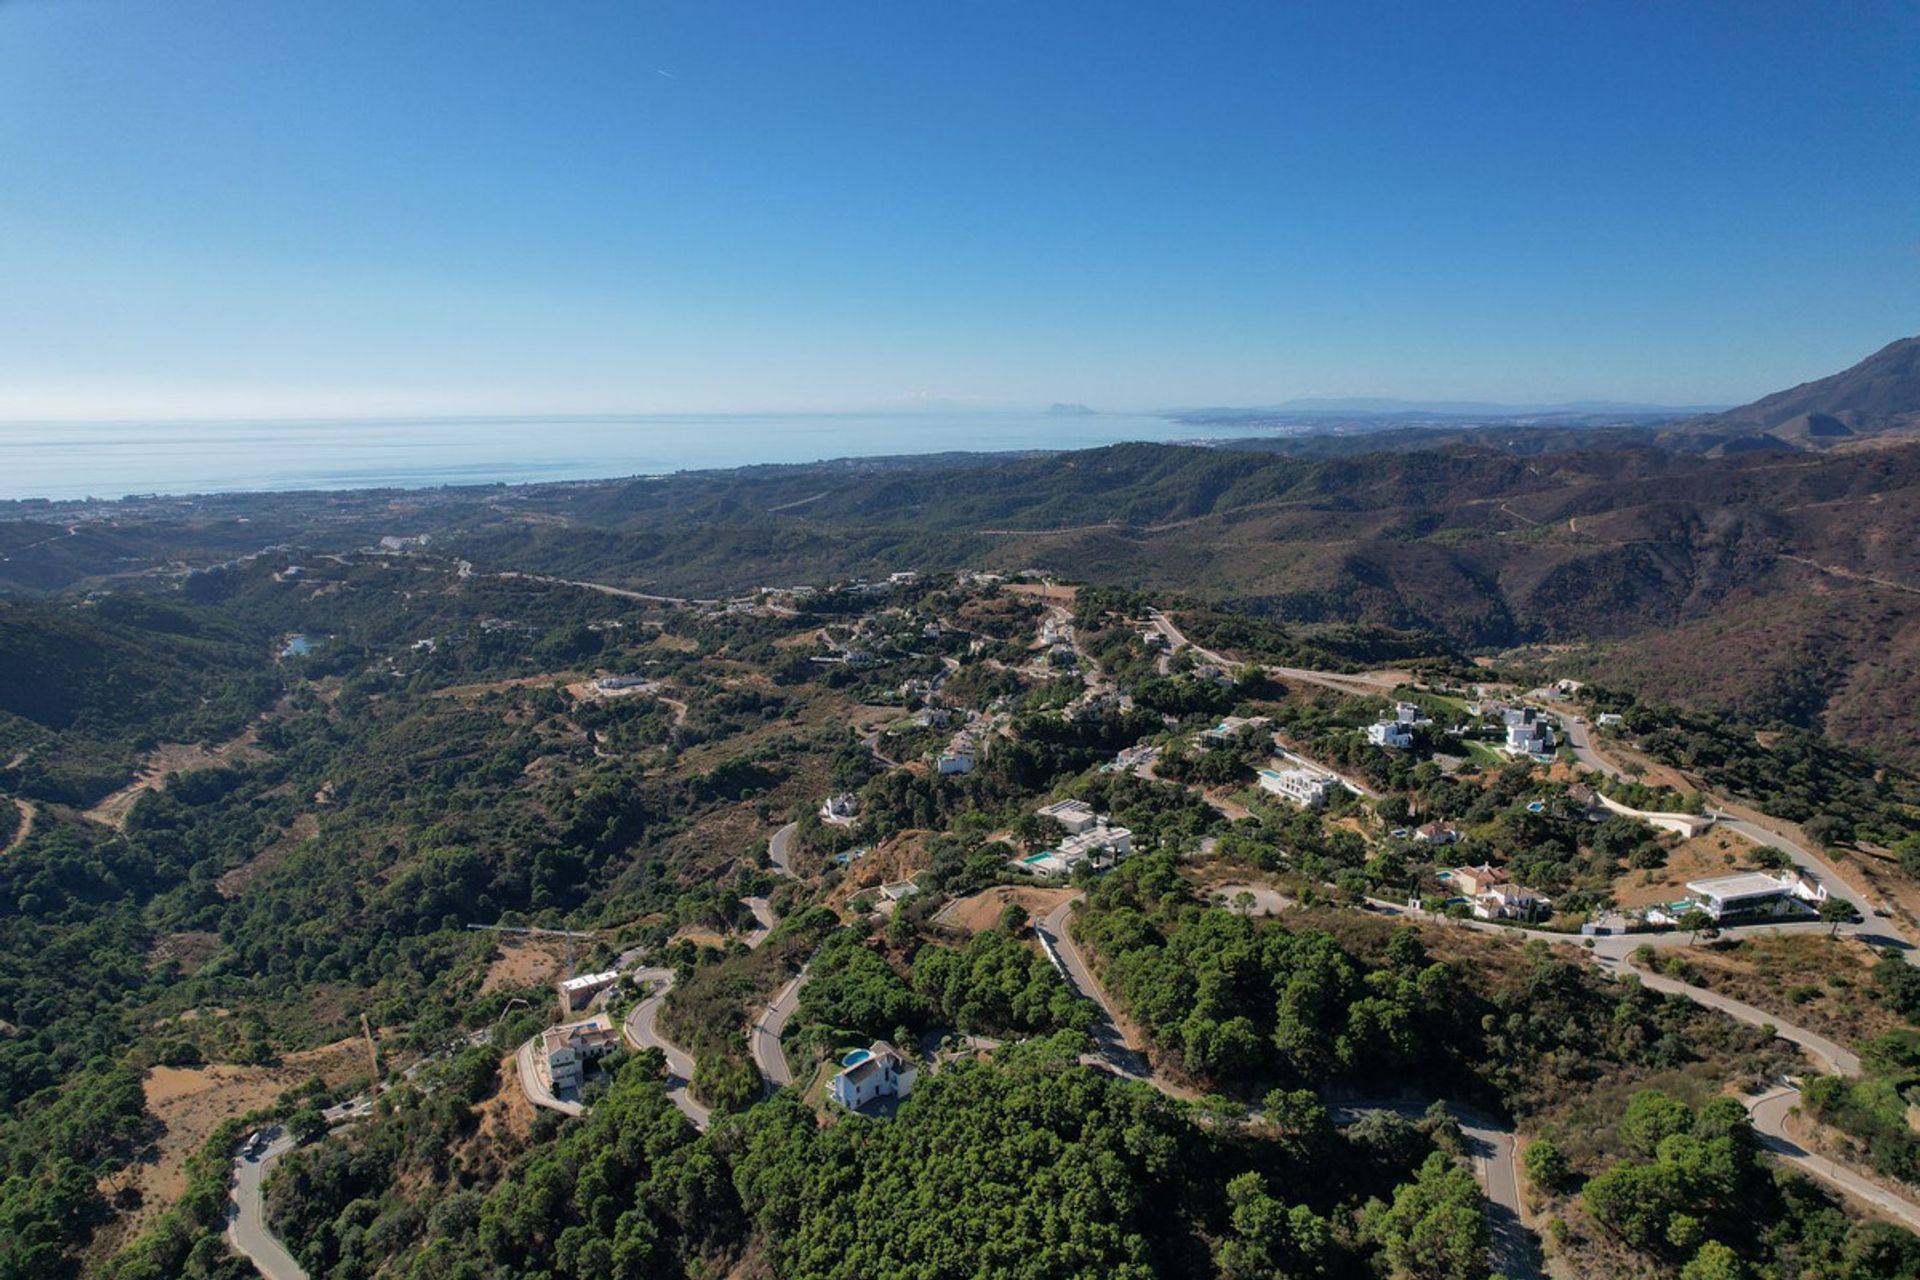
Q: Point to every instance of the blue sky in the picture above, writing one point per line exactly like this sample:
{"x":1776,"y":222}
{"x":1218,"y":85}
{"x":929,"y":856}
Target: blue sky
{"x":263,"y":207}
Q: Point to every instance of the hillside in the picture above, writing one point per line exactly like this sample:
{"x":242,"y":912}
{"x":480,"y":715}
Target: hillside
{"x":1879,"y":397}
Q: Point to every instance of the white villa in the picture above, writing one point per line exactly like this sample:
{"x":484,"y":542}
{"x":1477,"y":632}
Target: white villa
{"x":840,"y":810}
{"x":1754,"y":893}
{"x":1075,"y":815}
{"x":869,"y":1074}
{"x":1391,"y":734}
{"x":569,"y":1048}
{"x":1100,"y":844}
{"x":1302,"y":786}
{"x":1528,"y":733}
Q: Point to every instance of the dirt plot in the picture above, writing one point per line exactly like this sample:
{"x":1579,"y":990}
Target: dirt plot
{"x":1712,"y":853}
{"x":466,"y":691}
{"x":190,"y":1103}
{"x":979,"y":911}
{"x":527,"y":962}
{"x":171,"y":757}
{"x":1821,"y":982}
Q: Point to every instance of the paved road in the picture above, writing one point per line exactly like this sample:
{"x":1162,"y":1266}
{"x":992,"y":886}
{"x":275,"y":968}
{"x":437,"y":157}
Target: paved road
{"x":1760,"y":830}
{"x":246,"y":1223}
{"x":1491,"y":1153}
{"x":780,"y":850}
{"x":642,"y":1032}
{"x":1489,"y":1143}
{"x":763,"y":922}
{"x":1111,"y":1046}
{"x":763,"y":1040}
{"x":1769,"y":1112}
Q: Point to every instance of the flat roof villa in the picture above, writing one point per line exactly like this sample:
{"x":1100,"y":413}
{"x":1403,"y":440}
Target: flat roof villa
{"x":1754,"y":893}
{"x":1074,"y":815}
{"x":1302,"y":786}
{"x":1227,"y":730}
{"x":575,"y":993}
{"x":1100,"y":844}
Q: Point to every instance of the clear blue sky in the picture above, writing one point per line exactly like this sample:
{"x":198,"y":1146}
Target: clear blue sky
{"x":258,"y":206}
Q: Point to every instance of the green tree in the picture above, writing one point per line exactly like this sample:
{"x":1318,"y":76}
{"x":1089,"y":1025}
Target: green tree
{"x":1434,"y":1229}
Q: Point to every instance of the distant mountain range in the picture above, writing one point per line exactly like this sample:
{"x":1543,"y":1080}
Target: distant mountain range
{"x":1876,"y":400}
{"x":1374,"y":406}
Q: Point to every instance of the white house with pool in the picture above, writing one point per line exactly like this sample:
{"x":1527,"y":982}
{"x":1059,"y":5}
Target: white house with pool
{"x":871,"y":1074}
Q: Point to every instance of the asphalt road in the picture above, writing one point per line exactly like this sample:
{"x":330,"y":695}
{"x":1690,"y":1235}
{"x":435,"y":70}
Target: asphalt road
{"x":1769,"y":1112}
{"x":246,"y":1223}
{"x":763,"y":1040}
{"x":642,"y":1031}
{"x":780,"y":850}
{"x":1489,"y":1144}
{"x":763,"y":922}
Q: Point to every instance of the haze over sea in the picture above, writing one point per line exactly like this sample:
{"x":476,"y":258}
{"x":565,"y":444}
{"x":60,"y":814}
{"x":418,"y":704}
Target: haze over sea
{"x":65,"y":460}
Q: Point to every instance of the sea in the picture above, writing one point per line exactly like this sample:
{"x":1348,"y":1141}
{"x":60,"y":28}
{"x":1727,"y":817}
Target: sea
{"x":72,"y":460}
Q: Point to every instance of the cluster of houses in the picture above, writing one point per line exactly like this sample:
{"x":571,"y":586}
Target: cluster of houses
{"x":1090,"y":837}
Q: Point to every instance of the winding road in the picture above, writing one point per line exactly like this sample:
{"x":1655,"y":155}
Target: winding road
{"x":1490,"y":1144}
{"x":643,"y":1032}
{"x":246,"y":1221}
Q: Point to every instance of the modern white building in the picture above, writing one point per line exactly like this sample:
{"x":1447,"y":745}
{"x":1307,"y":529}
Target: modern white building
{"x":1302,"y":786}
{"x":569,"y":1048}
{"x":955,"y":759}
{"x":1074,"y":815}
{"x":577,"y":993}
{"x":867,"y":1075}
{"x":1099,"y":844}
{"x":1390,"y":734}
{"x":1754,"y":893}
{"x":840,"y":810}
{"x":1528,"y":732}
{"x":1510,"y":902}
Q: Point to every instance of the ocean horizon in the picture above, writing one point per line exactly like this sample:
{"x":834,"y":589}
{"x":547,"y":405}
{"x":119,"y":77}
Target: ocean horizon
{"x":65,"y":461}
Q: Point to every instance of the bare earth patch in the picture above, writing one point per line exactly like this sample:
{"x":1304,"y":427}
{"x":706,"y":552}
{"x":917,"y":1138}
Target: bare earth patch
{"x":1703,"y":857}
{"x":190,"y":1103}
{"x":980,"y":911}
{"x":171,"y":757}
{"x":525,"y":962}
{"x":304,"y":827}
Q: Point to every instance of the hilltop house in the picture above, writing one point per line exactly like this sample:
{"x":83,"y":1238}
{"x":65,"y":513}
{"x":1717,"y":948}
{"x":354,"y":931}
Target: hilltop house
{"x":1224,"y":733}
{"x":1390,"y":734}
{"x":568,"y":1049}
{"x":1510,"y":902}
{"x":1302,"y":786}
{"x":867,"y":1075}
{"x":840,"y":810}
{"x":1528,"y":732}
{"x":1474,"y":881}
{"x":578,"y":993}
